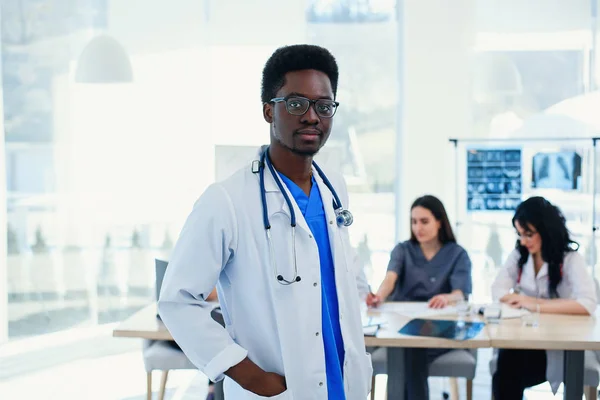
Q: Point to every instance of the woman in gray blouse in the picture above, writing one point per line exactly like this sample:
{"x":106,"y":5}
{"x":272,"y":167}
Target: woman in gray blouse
{"x":430,"y":267}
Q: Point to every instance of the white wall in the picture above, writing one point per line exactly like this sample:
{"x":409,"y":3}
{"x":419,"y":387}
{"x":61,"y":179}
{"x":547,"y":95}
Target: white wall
{"x":437,"y":97}
{"x":512,"y":16}
{"x":158,"y":25}
{"x":131,"y":148}
{"x":151,"y":26}
{"x":152,"y":141}
{"x":3,"y":224}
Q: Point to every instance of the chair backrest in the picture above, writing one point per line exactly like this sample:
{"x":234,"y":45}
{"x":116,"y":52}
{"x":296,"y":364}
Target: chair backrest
{"x":161,"y":267}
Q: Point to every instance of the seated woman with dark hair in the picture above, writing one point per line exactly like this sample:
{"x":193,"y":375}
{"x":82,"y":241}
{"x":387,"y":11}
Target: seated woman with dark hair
{"x":546,"y":274}
{"x":430,"y":267}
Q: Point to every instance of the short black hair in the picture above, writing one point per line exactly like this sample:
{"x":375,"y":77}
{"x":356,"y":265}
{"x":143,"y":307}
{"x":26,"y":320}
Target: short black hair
{"x":295,"y":58}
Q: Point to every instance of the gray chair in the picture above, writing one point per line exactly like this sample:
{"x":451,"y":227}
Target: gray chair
{"x":591,"y":369}
{"x":162,"y":356}
{"x":166,"y":355}
{"x":454,"y":364}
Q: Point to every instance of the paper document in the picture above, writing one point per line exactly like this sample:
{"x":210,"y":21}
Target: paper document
{"x":371,"y":330}
{"x":422,"y":310}
{"x":508,"y":312}
{"x":371,"y":325}
{"x":417,"y":310}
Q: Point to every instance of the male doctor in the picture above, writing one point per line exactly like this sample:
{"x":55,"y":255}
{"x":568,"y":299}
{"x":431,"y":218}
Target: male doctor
{"x":288,"y":291}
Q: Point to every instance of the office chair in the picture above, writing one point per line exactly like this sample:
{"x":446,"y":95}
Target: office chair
{"x":460,"y":363}
{"x":164,"y":355}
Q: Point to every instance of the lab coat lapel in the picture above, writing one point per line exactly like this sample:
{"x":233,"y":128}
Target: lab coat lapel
{"x":543,"y":271}
{"x":332,"y":227}
{"x":276,"y":202}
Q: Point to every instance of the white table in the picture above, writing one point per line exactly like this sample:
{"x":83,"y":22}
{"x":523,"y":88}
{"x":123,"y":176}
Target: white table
{"x":571,"y":334}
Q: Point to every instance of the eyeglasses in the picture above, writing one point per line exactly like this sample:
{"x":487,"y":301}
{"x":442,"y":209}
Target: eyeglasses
{"x":297,"y":105}
{"x":527,"y":235}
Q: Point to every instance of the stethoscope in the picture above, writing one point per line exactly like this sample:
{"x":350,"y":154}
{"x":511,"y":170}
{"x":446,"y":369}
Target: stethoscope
{"x":517,"y":289}
{"x":343,"y":217}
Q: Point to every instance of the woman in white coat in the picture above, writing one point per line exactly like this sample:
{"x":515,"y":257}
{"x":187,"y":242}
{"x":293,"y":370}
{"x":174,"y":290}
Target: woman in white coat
{"x":279,"y":253}
{"x":545,"y":273}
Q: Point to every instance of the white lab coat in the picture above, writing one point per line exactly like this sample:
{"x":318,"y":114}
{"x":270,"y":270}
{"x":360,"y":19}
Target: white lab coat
{"x":576,"y":284}
{"x":278,"y":327}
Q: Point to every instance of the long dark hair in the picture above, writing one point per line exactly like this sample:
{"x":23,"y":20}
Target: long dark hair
{"x":433,"y":204}
{"x":550,"y":223}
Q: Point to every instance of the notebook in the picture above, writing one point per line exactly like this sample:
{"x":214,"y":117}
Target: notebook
{"x":372,"y":325}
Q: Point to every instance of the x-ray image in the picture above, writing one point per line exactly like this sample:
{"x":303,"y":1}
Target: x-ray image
{"x":496,"y":187}
{"x":476,"y":173}
{"x":514,"y":187}
{"x":559,"y":170}
{"x":512,"y":156}
{"x":494,"y":179}
{"x":512,"y":204}
{"x":475,"y":156}
{"x":494,"y":156}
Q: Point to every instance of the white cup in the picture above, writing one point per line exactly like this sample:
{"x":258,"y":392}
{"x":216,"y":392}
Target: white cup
{"x":532,"y":318}
{"x":493,"y":313}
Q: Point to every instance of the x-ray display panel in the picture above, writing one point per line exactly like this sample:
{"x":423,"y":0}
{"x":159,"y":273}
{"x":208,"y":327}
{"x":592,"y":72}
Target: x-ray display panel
{"x":556,"y":170}
{"x":494,"y":179}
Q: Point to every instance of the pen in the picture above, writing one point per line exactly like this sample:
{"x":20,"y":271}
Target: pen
{"x":371,"y":290}
{"x":377,"y":324}
{"x":377,"y":330}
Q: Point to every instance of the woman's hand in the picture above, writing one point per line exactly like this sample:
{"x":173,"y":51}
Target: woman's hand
{"x":439,"y":301}
{"x":374,"y":300}
{"x":519,"y":301}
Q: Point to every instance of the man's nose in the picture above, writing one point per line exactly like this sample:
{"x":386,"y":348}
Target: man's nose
{"x":310,"y":116}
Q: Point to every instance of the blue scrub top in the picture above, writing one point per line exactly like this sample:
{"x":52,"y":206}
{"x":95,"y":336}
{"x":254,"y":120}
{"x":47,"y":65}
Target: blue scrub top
{"x":314,"y":214}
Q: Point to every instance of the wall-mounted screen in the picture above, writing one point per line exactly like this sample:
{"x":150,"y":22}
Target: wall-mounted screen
{"x":494,"y":179}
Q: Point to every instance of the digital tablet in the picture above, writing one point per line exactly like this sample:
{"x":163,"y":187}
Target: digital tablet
{"x":455,"y":330}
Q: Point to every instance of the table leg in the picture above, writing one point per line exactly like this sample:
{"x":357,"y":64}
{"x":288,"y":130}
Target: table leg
{"x":219,"y":395}
{"x":395,"y":373}
{"x":573,"y":374}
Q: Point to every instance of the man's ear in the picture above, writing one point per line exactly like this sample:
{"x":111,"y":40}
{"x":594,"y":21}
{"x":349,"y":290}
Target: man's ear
{"x":268,"y":112}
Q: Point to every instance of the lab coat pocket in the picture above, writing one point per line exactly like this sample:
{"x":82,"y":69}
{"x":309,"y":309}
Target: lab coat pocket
{"x":287,"y":395}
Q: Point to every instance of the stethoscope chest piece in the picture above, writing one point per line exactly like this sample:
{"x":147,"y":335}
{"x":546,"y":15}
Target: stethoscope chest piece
{"x":343,"y":217}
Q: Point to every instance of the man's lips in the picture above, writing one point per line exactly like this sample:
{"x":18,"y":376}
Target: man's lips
{"x":309,"y":132}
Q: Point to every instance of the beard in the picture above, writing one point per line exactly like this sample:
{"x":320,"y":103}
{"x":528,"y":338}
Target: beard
{"x":295,"y":150}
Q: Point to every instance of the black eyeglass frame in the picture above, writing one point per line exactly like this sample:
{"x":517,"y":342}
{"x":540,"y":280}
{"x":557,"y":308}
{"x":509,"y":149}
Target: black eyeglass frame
{"x":310,"y":102}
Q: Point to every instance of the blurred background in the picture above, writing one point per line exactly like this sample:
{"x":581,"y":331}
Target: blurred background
{"x":117,"y":114}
